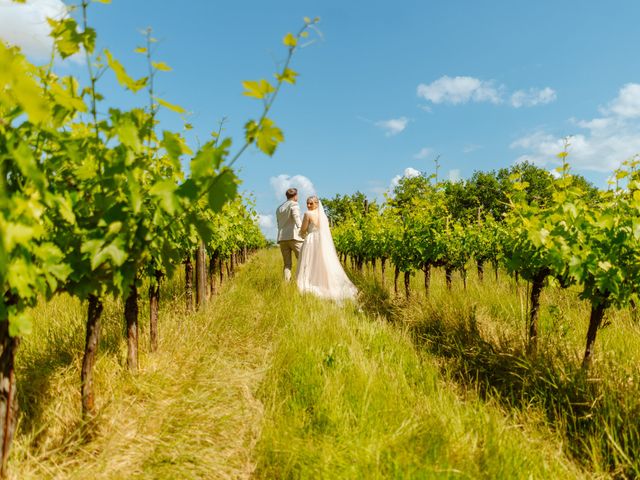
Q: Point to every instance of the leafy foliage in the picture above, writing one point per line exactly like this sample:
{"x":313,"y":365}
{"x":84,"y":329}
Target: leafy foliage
{"x":540,"y":227}
{"x":90,"y":201}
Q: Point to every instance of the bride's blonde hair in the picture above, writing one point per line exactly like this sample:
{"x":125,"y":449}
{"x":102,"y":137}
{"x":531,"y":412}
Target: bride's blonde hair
{"x":314,"y":198}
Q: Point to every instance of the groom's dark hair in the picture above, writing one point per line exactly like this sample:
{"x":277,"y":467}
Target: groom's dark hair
{"x":292,"y":192}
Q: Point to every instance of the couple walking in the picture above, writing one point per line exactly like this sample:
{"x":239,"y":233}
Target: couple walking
{"x":309,"y":238}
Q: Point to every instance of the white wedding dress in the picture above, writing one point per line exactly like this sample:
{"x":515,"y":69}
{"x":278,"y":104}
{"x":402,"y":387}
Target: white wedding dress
{"x":319,"y":269}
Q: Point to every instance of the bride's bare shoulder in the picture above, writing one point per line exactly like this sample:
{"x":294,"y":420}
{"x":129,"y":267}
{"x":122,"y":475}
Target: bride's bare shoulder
{"x":312,"y":215}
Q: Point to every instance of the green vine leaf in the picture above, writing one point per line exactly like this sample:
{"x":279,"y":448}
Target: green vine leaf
{"x":112,"y":252}
{"x":225,"y":189}
{"x":122,"y":76}
{"x":259,"y":89}
{"x":66,"y":37}
{"x":170,"y":106}
{"x":163,"y":67}
{"x":267,"y":135}
{"x":20,"y":324}
{"x":290,"y":40}
{"x":288,"y":76}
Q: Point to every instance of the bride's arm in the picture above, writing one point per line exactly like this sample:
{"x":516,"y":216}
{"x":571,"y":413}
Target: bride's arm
{"x":305,"y":225}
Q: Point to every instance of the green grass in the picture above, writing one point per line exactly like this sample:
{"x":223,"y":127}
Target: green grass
{"x":266,"y":383}
{"x":480,"y":335}
{"x":190,"y":413}
{"x":349,"y":396}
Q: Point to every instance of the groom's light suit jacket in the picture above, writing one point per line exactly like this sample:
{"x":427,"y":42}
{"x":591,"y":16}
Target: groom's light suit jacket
{"x":289,"y":222}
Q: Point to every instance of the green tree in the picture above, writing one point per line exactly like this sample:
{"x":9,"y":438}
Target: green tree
{"x":342,"y":207}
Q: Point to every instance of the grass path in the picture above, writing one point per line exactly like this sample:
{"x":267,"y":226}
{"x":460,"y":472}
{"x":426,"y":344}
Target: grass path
{"x":264,"y":383}
{"x":190,"y":413}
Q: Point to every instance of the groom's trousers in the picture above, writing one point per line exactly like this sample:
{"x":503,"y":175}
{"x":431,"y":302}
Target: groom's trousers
{"x":287,"y":247}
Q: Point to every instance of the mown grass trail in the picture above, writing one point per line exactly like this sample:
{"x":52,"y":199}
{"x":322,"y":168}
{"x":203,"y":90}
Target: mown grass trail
{"x":349,"y":396}
{"x":190,"y":413}
{"x":264,"y":383}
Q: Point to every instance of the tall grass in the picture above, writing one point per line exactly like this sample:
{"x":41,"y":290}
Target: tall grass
{"x":480,"y":333}
{"x":349,"y":396}
{"x":190,"y":412}
{"x":265,"y":383}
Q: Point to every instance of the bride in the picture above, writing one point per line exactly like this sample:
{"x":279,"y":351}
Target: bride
{"x":319,"y":269}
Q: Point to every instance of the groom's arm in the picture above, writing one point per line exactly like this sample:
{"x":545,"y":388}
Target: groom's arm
{"x":295,"y":211}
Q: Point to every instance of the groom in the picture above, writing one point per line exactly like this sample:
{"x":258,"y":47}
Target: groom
{"x":288,"y":217}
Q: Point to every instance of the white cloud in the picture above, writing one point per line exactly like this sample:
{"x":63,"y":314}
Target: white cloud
{"x":457,"y":90}
{"x":423,"y":153}
{"x":471,"y":148}
{"x":454,"y":175}
{"x":25,"y":25}
{"x":540,"y":140}
{"x":282,"y":183}
{"x":378,"y":188}
{"x":533,"y":97}
{"x":627,"y":104}
{"x":602,"y":146}
{"x":409,"y":172}
{"x":378,"y":191}
{"x":460,"y":90}
{"x":266,"y":221}
{"x":393,"y":126}
{"x":600,"y":151}
{"x":267,"y":224}
{"x":595,"y":124}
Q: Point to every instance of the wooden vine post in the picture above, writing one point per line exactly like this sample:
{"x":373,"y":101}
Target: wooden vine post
{"x":188,"y":282}
{"x":201,"y":276}
{"x":8,"y":403}
{"x":154,"y":307}
{"x":92,"y":339}
{"x":131,"y":317}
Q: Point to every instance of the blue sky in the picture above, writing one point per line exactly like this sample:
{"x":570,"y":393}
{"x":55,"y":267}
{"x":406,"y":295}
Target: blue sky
{"x":390,"y":85}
